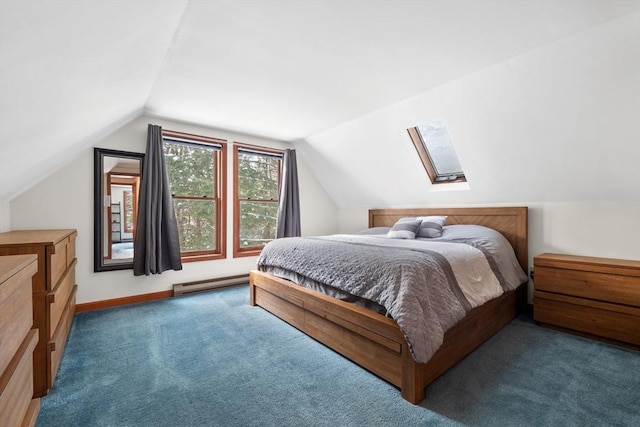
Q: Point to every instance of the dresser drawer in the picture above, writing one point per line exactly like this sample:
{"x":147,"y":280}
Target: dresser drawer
{"x":62,"y":255}
{"x":16,"y":383}
{"x":59,"y":297}
{"x":16,"y":313}
{"x":16,"y":319}
{"x":71,"y":249}
{"x":55,"y":347}
{"x":58,"y":262}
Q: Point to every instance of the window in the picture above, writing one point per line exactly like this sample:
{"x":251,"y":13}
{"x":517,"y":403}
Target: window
{"x":196,"y":166}
{"x":256,"y":192}
{"x":436,"y":151}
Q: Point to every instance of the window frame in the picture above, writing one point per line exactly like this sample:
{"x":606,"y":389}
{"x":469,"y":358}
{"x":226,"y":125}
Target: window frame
{"x":427,"y":161}
{"x":220,"y":194}
{"x":237,"y":147}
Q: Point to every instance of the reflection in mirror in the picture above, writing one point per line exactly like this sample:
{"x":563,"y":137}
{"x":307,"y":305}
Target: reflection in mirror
{"x":116,"y":188}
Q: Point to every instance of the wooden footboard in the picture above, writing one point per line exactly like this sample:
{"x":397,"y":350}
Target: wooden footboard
{"x":373,"y":341}
{"x":367,"y":338}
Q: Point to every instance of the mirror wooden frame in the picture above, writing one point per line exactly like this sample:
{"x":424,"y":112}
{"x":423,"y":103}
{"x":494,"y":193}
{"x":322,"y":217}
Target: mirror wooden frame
{"x":98,"y":203}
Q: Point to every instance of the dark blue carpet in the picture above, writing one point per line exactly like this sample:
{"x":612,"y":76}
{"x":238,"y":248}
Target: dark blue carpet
{"x":211,"y":360}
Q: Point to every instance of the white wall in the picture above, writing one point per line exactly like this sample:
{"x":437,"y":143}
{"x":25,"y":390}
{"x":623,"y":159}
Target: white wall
{"x":556,"y":129}
{"x":65,"y":200}
{"x":5,"y":214}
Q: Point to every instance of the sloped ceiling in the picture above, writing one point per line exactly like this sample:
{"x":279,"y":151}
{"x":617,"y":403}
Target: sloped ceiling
{"x":73,"y":71}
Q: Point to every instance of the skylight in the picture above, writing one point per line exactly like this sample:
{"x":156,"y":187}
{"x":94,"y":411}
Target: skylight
{"x":434,"y":146}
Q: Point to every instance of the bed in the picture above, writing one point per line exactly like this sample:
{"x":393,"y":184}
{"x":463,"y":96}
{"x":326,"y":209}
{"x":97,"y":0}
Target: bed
{"x":375,"y":341}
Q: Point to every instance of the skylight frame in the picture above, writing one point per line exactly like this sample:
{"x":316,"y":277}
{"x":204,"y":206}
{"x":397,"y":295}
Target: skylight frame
{"x":428,"y":162}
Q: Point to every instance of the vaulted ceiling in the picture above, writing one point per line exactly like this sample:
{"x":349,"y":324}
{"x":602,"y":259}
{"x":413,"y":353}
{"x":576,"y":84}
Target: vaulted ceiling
{"x":74,"y":71}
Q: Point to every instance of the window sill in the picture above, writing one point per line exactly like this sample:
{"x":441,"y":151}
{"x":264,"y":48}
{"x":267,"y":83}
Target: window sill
{"x":207,"y":257}
{"x":247,"y":253}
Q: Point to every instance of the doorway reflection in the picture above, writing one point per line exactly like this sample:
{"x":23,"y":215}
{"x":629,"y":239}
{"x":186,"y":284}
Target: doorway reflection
{"x":123,"y":182}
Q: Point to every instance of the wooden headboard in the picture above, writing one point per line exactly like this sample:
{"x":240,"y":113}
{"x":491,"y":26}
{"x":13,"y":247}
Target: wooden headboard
{"x":510,"y":221}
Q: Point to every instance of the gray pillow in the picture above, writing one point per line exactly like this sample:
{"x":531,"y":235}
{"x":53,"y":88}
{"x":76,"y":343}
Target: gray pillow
{"x":404,"y":228}
{"x":431,"y":226}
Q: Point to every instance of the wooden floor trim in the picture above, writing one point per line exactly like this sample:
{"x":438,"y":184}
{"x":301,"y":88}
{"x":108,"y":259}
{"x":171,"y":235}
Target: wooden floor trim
{"x":116,"y":302}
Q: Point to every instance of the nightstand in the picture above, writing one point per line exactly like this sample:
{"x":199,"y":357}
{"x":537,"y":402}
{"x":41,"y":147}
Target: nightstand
{"x":593,"y":297}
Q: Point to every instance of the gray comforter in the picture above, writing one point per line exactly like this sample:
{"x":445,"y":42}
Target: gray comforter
{"x":427,"y":286}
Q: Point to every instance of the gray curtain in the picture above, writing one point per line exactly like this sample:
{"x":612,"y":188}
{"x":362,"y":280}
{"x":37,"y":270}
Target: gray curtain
{"x":156,"y":245}
{"x":289,"y":205}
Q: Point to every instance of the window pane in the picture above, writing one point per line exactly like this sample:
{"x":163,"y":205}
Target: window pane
{"x":258,"y":176}
{"x":440,"y":148}
{"x":196,"y":224}
{"x":257,"y":223}
{"x":128,"y":211}
{"x":191,"y":169}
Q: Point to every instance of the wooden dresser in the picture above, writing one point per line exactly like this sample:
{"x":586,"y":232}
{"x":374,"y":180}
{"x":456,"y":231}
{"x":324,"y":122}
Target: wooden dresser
{"x":53,"y":295}
{"x":17,"y":341}
{"x":593,"y":297}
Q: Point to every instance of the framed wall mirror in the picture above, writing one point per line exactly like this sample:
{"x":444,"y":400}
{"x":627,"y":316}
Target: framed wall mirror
{"x":116,"y":187}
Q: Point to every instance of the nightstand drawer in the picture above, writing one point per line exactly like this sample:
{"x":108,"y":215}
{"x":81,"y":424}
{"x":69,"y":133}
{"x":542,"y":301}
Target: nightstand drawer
{"x":602,"y":279}
{"x":601,"y":319}
{"x":589,"y":284}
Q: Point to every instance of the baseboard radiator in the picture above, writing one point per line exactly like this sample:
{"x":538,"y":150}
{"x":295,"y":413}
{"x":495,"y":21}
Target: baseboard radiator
{"x":188,"y":288}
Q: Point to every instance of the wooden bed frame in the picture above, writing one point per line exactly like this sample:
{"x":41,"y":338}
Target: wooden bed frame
{"x":375,"y":342}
